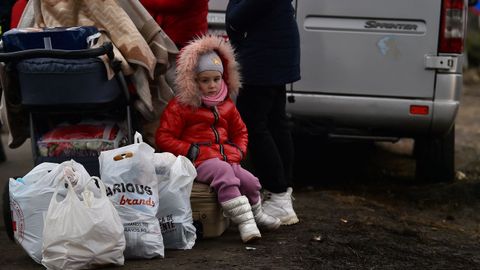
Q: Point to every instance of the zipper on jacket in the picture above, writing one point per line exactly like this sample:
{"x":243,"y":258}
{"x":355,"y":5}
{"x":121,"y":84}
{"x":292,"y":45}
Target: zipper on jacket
{"x":238,"y":147}
{"x":215,"y":132}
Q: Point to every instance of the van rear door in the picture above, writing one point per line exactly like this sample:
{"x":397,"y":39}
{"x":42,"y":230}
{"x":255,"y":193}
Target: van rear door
{"x":368,"y":47}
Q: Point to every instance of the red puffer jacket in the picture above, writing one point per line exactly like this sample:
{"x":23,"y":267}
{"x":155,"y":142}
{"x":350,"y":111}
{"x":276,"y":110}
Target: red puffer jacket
{"x":182,"y":20}
{"x":203,"y":133}
{"x":17,"y":11}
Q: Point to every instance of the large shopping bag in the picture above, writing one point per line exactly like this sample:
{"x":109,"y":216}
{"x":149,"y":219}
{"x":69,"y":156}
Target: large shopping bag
{"x":129,"y":175}
{"x":82,"y":234}
{"x":30,"y":197}
{"x":175,"y":180}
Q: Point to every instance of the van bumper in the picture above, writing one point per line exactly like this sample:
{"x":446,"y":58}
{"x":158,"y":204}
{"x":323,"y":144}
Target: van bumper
{"x":382,"y":116}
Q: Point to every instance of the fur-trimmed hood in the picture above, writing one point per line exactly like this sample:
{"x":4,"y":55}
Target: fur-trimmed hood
{"x":188,"y":92}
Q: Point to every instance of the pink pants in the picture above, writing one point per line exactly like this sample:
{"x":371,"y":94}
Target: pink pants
{"x":229,"y":180}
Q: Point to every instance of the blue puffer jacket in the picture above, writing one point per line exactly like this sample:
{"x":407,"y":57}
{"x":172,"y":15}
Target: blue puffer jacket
{"x":265,"y":36}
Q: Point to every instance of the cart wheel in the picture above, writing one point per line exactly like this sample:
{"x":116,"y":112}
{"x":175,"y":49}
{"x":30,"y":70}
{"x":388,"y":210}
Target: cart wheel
{"x":7,"y":213}
{"x":3,"y":157}
{"x":198,"y":229}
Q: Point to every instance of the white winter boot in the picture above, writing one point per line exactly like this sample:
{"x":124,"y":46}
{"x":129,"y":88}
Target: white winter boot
{"x":280,"y":205}
{"x":239,"y":211}
{"x":263,"y":220}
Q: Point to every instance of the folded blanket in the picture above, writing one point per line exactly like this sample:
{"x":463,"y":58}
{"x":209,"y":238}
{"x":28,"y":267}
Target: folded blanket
{"x":144,"y":49}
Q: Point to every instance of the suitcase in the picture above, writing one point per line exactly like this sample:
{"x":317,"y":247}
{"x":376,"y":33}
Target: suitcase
{"x":207,"y":213}
{"x":62,"y":38}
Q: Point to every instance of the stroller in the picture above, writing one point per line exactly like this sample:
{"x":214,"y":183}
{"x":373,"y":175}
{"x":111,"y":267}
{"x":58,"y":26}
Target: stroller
{"x":66,"y":93}
{"x":61,"y":87}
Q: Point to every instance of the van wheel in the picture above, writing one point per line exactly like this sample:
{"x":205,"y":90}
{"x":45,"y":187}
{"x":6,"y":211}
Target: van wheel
{"x":435,"y":158}
{"x":7,"y":216}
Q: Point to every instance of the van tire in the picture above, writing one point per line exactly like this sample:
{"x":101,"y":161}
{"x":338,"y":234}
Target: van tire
{"x":435,"y":158}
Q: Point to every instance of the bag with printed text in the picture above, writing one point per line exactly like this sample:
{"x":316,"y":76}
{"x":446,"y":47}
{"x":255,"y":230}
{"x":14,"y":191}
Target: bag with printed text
{"x":175,"y":180}
{"x":131,"y":184}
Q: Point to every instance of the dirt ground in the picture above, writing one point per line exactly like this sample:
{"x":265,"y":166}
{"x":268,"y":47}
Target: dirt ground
{"x":359,"y":208}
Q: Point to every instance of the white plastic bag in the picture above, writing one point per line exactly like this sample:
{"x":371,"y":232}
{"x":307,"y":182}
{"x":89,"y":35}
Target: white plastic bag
{"x":129,"y":176}
{"x":175,"y":177}
{"x":82,"y":234}
{"x":30,"y":197}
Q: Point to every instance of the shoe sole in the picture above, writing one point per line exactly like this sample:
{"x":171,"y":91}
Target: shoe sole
{"x":289,"y":220}
{"x":252,"y":239}
{"x":271,"y":228}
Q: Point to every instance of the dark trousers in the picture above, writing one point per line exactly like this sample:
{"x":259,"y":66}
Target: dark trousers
{"x":270,"y":142}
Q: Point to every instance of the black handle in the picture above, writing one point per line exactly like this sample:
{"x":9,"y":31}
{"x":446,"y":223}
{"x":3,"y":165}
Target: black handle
{"x":105,"y":48}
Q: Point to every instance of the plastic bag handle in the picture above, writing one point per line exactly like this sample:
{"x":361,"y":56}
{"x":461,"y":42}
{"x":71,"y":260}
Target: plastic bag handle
{"x":137,"y":138}
{"x":103,"y":189}
{"x":70,"y":191}
{"x":88,"y":196}
{"x":123,"y":156}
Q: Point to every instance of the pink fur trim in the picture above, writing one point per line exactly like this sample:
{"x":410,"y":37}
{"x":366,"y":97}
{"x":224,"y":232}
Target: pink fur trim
{"x":188,"y":92}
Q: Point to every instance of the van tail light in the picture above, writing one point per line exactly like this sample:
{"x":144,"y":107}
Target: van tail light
{"x":419,"y":110}
{"x":453,"y":22}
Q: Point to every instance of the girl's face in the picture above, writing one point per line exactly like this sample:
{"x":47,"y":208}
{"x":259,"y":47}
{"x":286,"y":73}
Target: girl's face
{"x":209,"y":82}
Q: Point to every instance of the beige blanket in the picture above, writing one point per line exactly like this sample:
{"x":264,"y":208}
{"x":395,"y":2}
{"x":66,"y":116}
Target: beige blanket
{"x":144,"y":49}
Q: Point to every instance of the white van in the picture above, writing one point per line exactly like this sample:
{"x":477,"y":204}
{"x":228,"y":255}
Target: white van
{"x":380,"y":70}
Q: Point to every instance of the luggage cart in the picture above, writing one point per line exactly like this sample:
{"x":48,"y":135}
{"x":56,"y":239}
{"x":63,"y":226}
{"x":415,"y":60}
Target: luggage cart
{"x":61,"y":85}
{"x":58,"y":86}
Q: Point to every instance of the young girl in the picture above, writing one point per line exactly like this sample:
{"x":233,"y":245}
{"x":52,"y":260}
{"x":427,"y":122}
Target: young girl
{"x":203,"y":124}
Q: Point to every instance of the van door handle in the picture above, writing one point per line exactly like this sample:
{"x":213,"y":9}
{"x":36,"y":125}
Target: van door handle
{"x":441,"y":62}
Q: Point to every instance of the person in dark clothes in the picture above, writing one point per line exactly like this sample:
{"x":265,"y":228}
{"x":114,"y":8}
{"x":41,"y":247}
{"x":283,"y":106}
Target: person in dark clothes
{"x":5,"y":15}
{"x":265,"y":36}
